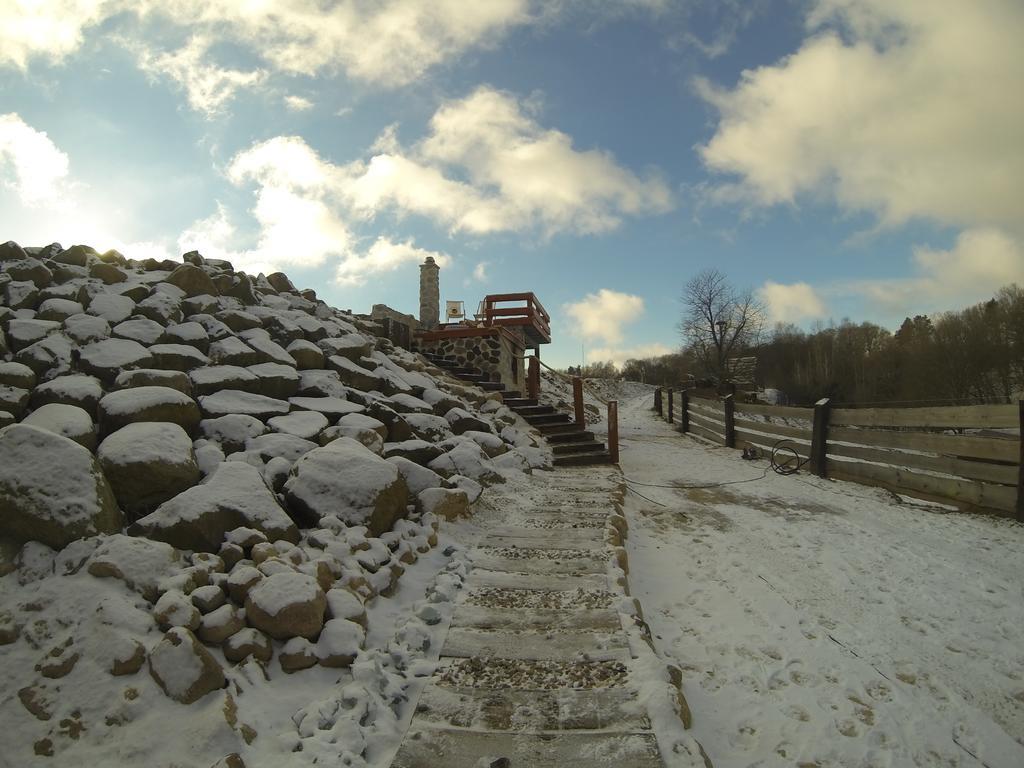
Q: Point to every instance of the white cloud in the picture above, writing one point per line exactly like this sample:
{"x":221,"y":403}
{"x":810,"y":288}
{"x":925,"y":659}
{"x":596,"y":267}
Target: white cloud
{"x":480,"y":271}
{"x":389,"y":43}
{"x":298,"y":103}
{"x":383,"y":256}
{"x":51,"y":30}
{"x":518,"y":175}
{"x":620,"y":355}
{"x":30,"y":163}
{"x":601,"y":315}
{"x":913,"y":111}
{"x":788,"y":303}
{"x":979,"y":263}
{"x":207,"y":86}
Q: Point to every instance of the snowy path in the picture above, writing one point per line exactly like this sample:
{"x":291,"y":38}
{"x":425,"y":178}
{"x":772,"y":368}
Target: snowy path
{"x":536,"y":665}
{"x":822,"y":623}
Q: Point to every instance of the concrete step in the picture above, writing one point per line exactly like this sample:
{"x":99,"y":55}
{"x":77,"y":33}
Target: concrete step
{"x":560,"y":429}
{"x":518,"y":402}
{"x":492,"y":386}
{"x":430,"y":747}
{"x":591,"y":446}
{"x":582,"y":459}
{"x":534,"y":410}
{"x":511,"y":395}
{"x":548,"y":419}
{"x":508,"y":580}
{"x":571,"y":646}
{"x":570,"y":566}
{"x":550,"y":619}
{"x":606,"y":709}
{"x":572,"y":436}
{"x":531,"y":536}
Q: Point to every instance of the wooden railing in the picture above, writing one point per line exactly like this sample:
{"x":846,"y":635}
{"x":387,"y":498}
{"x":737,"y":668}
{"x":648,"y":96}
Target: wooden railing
{"x":530,"y":313}
{"x":930,"y":453}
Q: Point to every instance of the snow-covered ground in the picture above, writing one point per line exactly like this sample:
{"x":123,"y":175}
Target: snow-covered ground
{"x":822,"y":623}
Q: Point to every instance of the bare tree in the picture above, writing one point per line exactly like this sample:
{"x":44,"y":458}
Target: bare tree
{"x":719,"y":321}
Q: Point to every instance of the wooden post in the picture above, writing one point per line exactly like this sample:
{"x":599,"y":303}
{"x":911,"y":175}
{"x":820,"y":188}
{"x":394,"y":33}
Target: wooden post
{"x":670,"y":406}
{"x":657,"y":400}
{"x":1020,"y":469}
{"x":819,"y":437}
{"x":684,"y":411}
{"x":533,"y":378}
{"x":730,"y":425}
{"x":613,"y":430}
{"x":577,"y":401}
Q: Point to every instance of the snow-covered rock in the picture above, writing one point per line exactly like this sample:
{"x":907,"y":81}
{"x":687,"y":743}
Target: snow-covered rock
{"x":346,"y":480}
{"x":304,"y":424}
{"x":127,"y":406}
{"x":445,"y":503}
{"x":339,"y":643}
{"x":199,"y":518}
{"x":419,"y":451}
{"x":462,"y":421}
{"x":139,"y":563}
{"x":287,"y":605}
{"x":221,"y":623}
{"x":231,"y":401}
{"x":52,"y":489}
{"x":248,"y":642}
{"x":233,"y":431}
{"x":183,"y":668}
{"x":428,"y":426}
{"x":70,"y":421}
{"x":75,"y":389}
{"x":153,"y":377}
{"x":417,"y":477}
{"x":147,"y":463}
{"x":105,"y":359}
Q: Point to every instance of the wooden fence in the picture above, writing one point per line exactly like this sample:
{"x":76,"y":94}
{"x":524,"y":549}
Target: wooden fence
{"x":951,"y":454}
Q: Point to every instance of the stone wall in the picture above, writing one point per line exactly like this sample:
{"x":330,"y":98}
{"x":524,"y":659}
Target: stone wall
{"x":495,"y":354}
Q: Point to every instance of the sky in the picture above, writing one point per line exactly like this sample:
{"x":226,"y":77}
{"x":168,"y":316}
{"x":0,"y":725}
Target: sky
{"x":858,"y":159}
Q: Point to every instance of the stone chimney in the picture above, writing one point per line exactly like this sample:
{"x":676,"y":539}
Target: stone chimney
{"x":430,"y":294}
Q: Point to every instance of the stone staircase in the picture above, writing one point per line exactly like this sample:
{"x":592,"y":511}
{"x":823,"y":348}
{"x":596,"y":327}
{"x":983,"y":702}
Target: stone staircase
{"x":535,"y":669}
{"x":571,"y":443}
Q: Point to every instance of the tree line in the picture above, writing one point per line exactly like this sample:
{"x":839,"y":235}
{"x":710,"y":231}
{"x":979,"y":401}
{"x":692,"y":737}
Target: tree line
{"x":973,"y":355}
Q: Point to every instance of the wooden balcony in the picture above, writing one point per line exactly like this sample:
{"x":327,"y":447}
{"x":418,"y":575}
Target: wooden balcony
{"x":527,"y":314}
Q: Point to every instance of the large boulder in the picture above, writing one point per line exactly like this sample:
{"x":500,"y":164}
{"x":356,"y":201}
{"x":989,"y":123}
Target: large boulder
{"x":105,"y":359}
{"x":52,"y":489}
{"x":234,"y":496}
{"x":347,"y":480}
{"x":148,"y":463}
{"x":192,"y":280}
{"x":67,"y":420}
{"x":127,"y":406}
{"x":231,"y":401}
{"x":286,"y":605}
{"x":76,"y":389}
{"x":140,"y":563}
{"x":183,"y":668}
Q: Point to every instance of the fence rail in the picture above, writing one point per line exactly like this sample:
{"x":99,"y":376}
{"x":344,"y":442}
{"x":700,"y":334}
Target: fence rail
{"x":921,"y":452}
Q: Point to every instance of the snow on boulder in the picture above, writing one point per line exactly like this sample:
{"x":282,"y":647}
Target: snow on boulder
{"x":420,"y":451}
{"x":14,"y":399}
{"x":339,"y":643}
{"x":364,"y":422}
{"x":139,"y":563}
{"x":306,"y":354}
{"x":147,"y":463}
{"x":347,"y":480}
{"x":417,"y":477}
{"x":491,"y":444}
{"x":213,"y":378}
{"x":368,"y":437}
{"x":76,"y":389}
{"x":427,"y":426}
{"x":70,"y":421}
{"x":467,"y":458}
{"x":462,"y":420}
{"x":177,"y":357}
{"x":153,"y":377}
{"x":232,"y":432}
{"x":279,"y":445}
{"x":128,"y":406}
{"x":342,"y":603}
{"x":235,"y":495}
{"x":446,"y":503}
{"x":85,"y":329}
{"x":52,"y":489}
{"x":105,"y":359}
{"x":110,"y":307}
{"x":221,"y":623}
{"x":304,"y":424}
{"x":286,"y":605}
{"x":17,"y":375}
{"x":354,"y":375}
{"x":275,"y":379}
{"x":332,"y":407}
{"x":183,"y":668}
{"x":234,"y":401}
{"x":248,"y":642}
{"x":139,"y":329}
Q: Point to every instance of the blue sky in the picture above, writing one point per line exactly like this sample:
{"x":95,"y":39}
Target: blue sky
{"x":843,"y":158}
